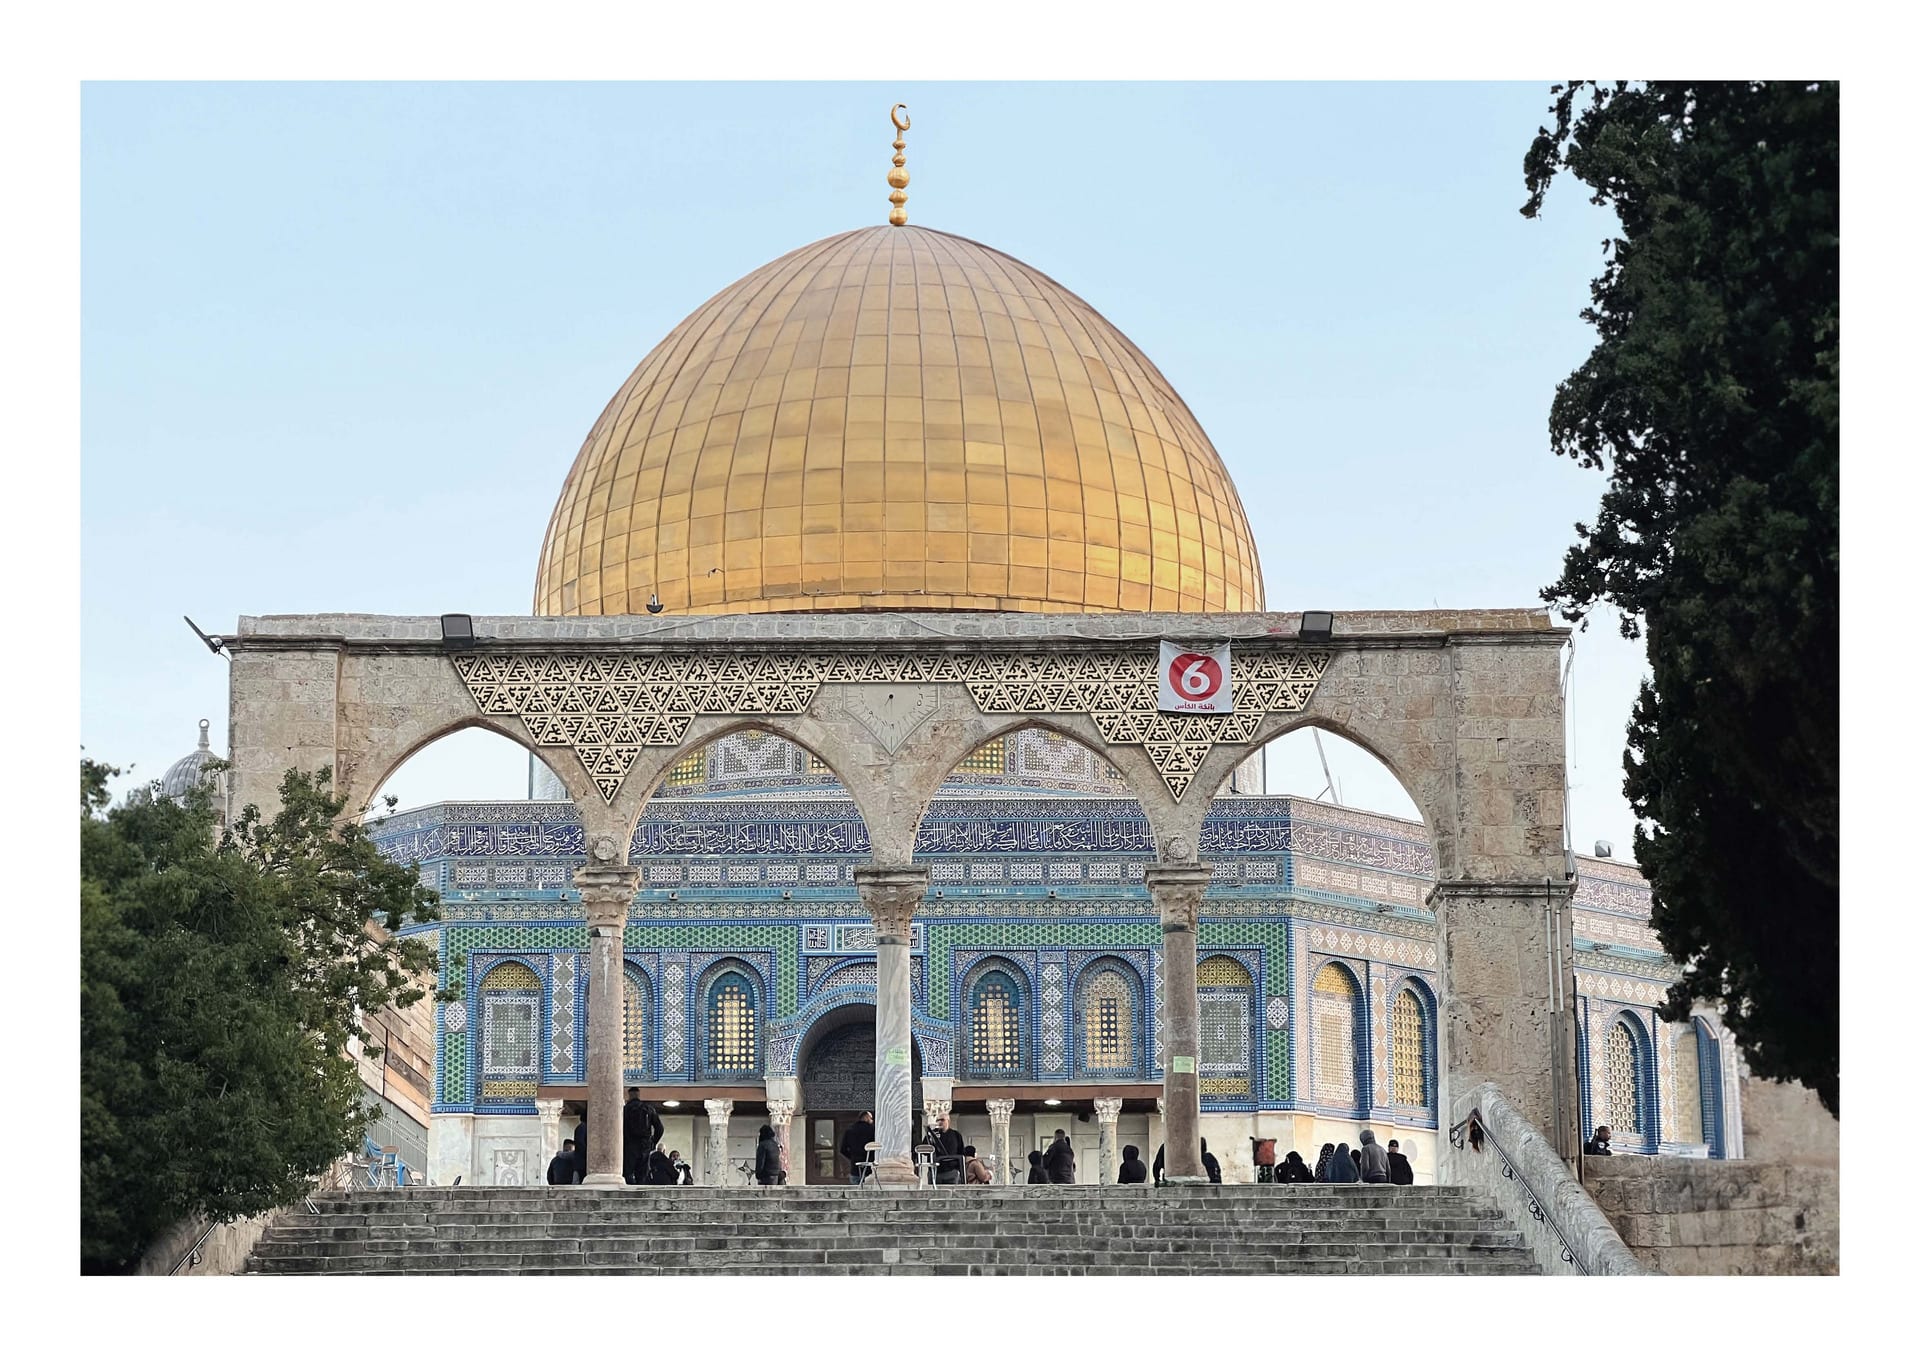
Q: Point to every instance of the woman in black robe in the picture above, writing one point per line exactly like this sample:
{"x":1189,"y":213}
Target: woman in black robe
{"x":1294,"y":1169}
{"x":766,"y":1158}
{"x":1342,"y":1168}
{"x":1320,"y":1166}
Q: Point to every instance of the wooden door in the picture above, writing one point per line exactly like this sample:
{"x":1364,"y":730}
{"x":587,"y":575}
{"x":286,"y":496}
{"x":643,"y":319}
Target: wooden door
{"x":825,"y":1166}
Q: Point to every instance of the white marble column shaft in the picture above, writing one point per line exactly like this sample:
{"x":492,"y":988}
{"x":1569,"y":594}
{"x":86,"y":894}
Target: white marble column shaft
{"x":607,"y":891}
{"x":1106,"y":1110}
{"x":719,"y":1171}
{"x":1000,"y":1111}
{"x":891,"y":894}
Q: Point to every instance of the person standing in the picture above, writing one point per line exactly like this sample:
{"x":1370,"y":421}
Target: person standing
{"x":766,"y":1158}
{"x":1160,"y":1166}
{"x":1059,"y":1159}
{"x":1601,"y":1143}
{"x":1037,"y":1170}
{"x":1293,"y":1169}
{"x":1210,"y":1163}
{"x":1399,"y":1166}
{"x":580,"y":1147}
{"x":640,"y":1130}
{"x":978,"y":1173}
{"x":1323,"y":1166}
{"x":1132,"y":1171}
{"x":1374,"y":1168}
{"x":681,"y":1171}
{"x":561,"y":1172}
{"x":853,"y":1147}
{"x":1341,"y":1167}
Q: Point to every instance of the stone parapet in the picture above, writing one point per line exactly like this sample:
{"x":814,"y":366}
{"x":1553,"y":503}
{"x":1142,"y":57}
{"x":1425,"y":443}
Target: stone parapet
{"x":892,"y":627}
{"x":1712,"y":1217}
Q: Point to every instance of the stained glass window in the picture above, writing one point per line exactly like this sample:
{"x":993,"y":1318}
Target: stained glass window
{"x":1336,"y":1023}
{"x":510,"y":1032}
{"x":1226,"y":999}
{"x":634,"y":1024}
{"x":1409,"y":1050}
{"x":731,"y":1030}
{"x":690,"y":770}
{"x":1109,"y":1022}
{"x":996,"y":1022}
{"x":1689,"y":1126}
{"x":1622,"y":1082}
{"x":988,"y":758}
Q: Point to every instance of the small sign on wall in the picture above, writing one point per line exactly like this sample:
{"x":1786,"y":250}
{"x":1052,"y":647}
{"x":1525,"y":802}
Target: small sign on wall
{"x":1196,"y":679}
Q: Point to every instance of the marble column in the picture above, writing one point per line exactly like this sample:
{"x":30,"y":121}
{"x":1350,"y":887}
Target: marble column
{"x":607,"y":891}
{"x":1106,"y":1110}
{"x":549,"y":1109}
{"x":1176,"y":893}
{"x":719,"y":1171}
{"x":783,"y":1095}
{"x":780,"y":1116}
{"x":1000,"y":1111}
{"x":1160,"y":1110}
{"x":932,"y":1107}
{"x":891,"y":894}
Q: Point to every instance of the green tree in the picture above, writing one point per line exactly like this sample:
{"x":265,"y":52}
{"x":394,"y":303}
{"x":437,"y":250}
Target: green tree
{"x":1712,"y":402}
{"x":222,"y":976}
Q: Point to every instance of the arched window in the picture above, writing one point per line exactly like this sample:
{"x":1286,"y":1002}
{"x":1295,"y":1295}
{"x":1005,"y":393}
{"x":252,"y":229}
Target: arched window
{"x":1410,"y":1034}
{"x":1621,"y":1083}
{"x":733,"y":1035}
{"x":509,"y":1033}
{"x":1689,"y":1124}
{"x":994,"y":1015}
{"x":1107,"y":1022}
{"x":1336,"y":1028}
{"x":633,"y":1026}
{"x":1226,"y":1011}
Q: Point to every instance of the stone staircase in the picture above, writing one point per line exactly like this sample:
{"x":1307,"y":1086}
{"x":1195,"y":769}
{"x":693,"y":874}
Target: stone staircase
{"x":1025,"y":1231}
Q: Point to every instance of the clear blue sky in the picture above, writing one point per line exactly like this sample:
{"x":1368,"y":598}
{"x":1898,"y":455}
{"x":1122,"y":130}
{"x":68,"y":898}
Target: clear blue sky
{"x":342,"y":342}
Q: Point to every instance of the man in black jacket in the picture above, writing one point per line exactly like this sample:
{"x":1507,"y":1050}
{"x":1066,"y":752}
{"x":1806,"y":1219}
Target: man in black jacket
{"x":949,"y":1152}
{"x":1399,"y":1166}
{"x":853,"y":1147}
{"x":562,"y":1172}
{"x":580,"y":1149}
{"x":1132,"y":1171}
{"x":1059,"y":1159}
{"x":1602,"y":1138}
{"x":640,"y":1130}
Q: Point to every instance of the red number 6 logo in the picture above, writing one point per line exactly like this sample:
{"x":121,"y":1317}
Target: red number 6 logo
{"x":1195,"y":676}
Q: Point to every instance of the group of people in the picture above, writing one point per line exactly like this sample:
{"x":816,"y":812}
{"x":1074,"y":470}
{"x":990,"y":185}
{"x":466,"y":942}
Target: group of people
{"x":1370,"y":1164}
{"x":642,"y":1163}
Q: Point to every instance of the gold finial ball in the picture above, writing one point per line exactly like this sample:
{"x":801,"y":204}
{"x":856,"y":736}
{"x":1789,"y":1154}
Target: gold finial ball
{"x":897,"y":178}
{"x":897,"y":217}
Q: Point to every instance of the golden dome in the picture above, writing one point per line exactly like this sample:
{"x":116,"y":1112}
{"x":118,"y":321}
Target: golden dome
{"x":894,"y":419}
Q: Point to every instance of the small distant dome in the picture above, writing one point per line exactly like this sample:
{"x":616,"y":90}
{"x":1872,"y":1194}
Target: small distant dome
{"x":190,"y":771}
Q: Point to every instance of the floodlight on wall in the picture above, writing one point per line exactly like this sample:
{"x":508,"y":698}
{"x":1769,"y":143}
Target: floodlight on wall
{"x":456,"y":631}
{"x":1316,"y":627}
{"x":670,"y":1105}
{"x":1602,"y":848}
{"x":1053,"y":1101}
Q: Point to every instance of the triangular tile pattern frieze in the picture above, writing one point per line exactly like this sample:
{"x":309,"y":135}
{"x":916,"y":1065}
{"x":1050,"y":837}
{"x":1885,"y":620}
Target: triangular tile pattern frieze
{"x":607,"y":708}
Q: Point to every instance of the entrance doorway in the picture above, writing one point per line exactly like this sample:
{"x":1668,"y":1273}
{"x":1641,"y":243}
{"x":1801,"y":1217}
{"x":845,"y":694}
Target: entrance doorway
{"x":836,"y":1085}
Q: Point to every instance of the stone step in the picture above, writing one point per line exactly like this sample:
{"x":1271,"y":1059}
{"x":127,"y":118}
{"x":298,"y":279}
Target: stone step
{"x":1399,"y":1231}
{"x":512,"y":1265}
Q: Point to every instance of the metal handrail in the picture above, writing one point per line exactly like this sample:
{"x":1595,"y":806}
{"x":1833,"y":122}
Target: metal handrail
{"x":192,"y":1255}
{"x":1458,"y":1135}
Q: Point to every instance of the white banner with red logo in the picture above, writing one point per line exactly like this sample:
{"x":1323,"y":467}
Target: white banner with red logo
{"x":1197,"y":679}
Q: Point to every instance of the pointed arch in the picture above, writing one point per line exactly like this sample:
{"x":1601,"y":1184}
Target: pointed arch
{"x":1624,"y":1099}
{"x":1338,"y":1032}
{"x":996,"y":1043}
{"x":510,"y":1030}
{"x":1108,"y":1018}
{"x":1226,"y":1027}
{"x":1411,"y":1046}
{"x":731,"y":1004}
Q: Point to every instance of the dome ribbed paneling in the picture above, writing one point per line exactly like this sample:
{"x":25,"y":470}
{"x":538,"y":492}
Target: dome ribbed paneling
{"x":889,"y":419}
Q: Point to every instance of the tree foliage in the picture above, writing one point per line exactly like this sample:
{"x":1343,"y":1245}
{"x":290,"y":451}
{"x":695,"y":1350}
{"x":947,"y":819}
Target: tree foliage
{"x":222,"y":978}
{"x":1712,"y":402}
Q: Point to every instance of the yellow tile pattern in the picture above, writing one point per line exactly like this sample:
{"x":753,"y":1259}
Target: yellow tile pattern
{"x":890,"y":419}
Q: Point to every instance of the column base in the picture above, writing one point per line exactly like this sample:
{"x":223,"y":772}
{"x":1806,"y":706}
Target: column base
{"x":895,"y":1172}
{"x":603,"y":1179}
{"x":1188,"y":1181}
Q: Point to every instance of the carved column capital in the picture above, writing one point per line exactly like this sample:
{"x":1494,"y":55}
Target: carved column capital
{"x":1160,"y":1106}
{"x":779,"y":1111}
{"x":1177,"y":891}
{"x":607,"y":891}
{"x":936,"y":1107}
{"x":719,"y":1109}
{"x":1000,"y":1110}
{"x":1106,"y":1110}
{"x":891,"y":894}
{"x":549,"y":1109}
